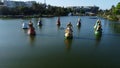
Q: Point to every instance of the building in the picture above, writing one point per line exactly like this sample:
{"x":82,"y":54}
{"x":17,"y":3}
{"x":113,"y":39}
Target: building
{"x":85,"y":9}
{"x":29,"y":3}
{"x":13,"y":4}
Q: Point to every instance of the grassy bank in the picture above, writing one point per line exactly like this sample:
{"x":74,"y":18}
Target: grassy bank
{"x":111,"y":17}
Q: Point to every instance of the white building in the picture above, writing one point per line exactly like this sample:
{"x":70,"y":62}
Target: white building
{"x":29,"y":3}
{"x":12,"y":4}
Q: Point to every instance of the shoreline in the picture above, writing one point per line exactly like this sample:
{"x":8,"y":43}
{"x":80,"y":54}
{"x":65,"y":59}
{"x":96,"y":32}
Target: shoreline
{"x":25,"y":16}
{"x":109,"y":17}
{"x":35,"y":16}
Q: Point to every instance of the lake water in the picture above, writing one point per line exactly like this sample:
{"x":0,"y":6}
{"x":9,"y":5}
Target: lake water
{"x":49,"y":48}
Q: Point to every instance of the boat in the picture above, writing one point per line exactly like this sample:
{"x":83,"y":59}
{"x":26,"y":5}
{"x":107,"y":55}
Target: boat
{"x":25,"y":26}
{"x":68,"y":33}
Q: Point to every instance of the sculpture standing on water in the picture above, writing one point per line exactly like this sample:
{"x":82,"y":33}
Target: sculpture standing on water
{"x":98,"y":28}
{"x":31,"y":30}
{"x":24,"y":25}
{"x":39,"y":22}
{"x":58,"y":21}
{"x":69,"y":31}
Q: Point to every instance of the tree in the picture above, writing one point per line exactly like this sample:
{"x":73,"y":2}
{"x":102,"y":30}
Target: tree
{"x":4,"y":10}
{"x":117,"y":9}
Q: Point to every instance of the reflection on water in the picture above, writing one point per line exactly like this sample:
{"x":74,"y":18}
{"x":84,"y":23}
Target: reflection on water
{"x":25,"y":31}
{"x":32,"y":40}
{"x":115,"y":27}
{"x":58,"y":27}
{"x":68,"y":43}
{"x":90,"y":50}
{"x":79,"y":27}
{"x":98,"y":39}
{"x":40,"y":27}
{"x":78,"y":30}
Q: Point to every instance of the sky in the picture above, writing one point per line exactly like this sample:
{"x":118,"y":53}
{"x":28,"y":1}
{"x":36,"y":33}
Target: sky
{"x":103,"y":4}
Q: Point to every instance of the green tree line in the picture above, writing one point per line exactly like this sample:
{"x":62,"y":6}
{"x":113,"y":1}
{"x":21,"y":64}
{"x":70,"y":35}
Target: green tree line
{"x":114,"y":10}
{"x":36,"y":9}
{"x":112,"y":14}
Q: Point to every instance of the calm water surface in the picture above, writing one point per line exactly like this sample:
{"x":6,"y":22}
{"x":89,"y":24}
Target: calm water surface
{"x":49,"y":49}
